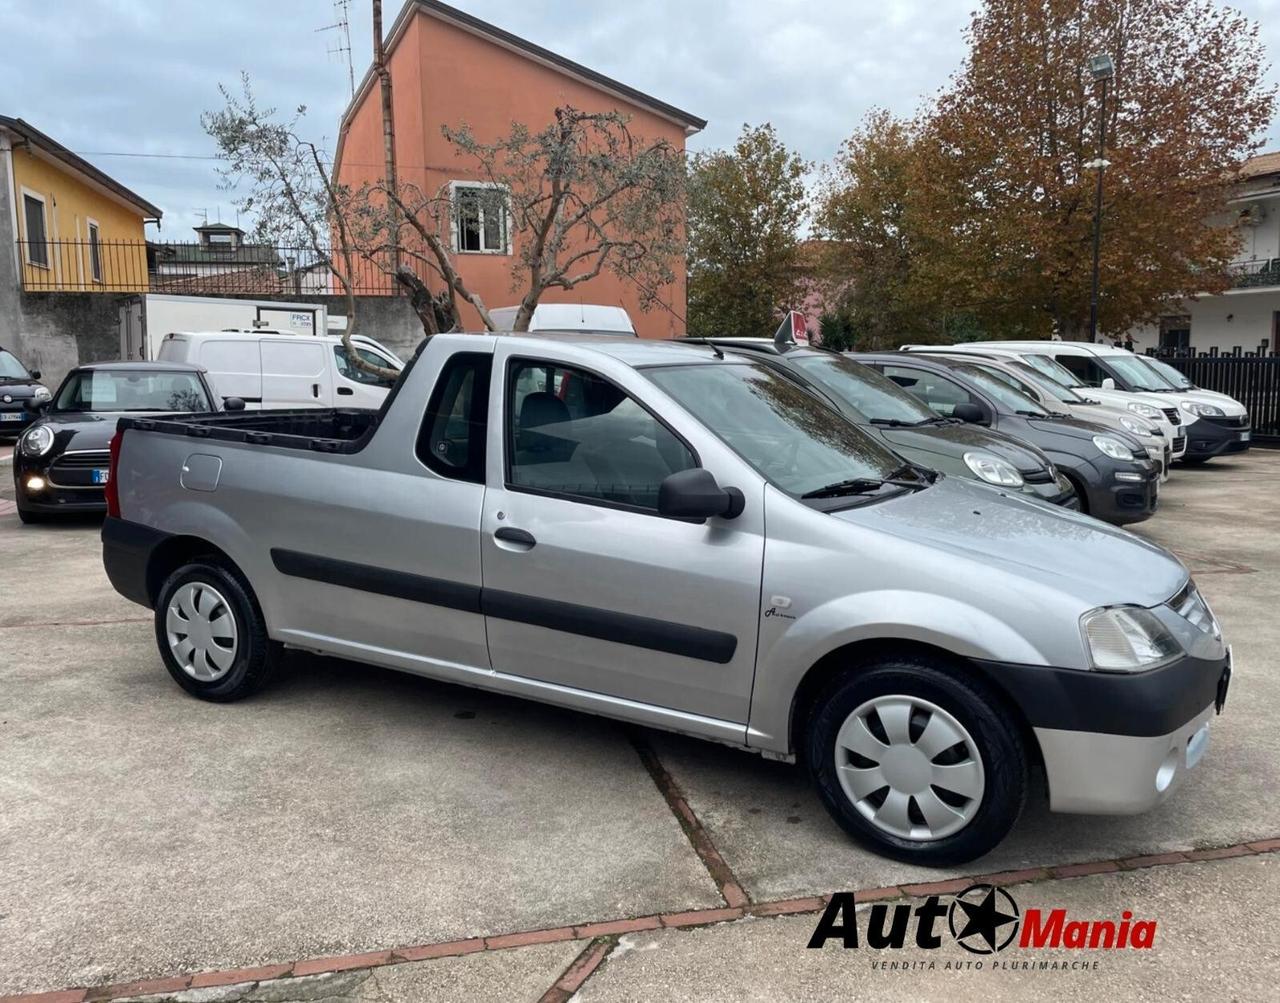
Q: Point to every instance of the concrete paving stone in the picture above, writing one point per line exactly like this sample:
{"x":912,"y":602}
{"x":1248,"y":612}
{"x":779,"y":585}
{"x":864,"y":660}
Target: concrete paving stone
{"x":1215,"y":940}
{"x":61,"y":576}
{"x":778,"y":839}
{"x":521,"y":974}
{"x":344,"y":809}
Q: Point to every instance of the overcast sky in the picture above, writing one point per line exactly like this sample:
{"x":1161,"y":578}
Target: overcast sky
{"x":132,"y":76}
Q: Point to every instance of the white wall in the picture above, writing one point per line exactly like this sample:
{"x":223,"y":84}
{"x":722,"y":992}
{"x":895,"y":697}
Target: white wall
{"x":1241,"y":318}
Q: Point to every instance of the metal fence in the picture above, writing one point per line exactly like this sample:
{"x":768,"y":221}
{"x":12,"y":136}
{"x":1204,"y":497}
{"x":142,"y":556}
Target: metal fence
{"x":194,"y":269}
{"x":1252,"y":378}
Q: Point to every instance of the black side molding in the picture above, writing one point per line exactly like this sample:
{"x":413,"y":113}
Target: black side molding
{"x":607,"y":625}
{"x":380,"y":581}
{"x":126,"y":552}
{"x":570,"y":618}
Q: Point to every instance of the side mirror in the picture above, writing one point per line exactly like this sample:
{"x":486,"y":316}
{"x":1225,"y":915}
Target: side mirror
{"x":35,"y":374}
{"x":969,"y":412}
{"x":233,"y":404}
{"x":34,"y":406}
{"x":694,"y":494}
{"x":1108,"y":384}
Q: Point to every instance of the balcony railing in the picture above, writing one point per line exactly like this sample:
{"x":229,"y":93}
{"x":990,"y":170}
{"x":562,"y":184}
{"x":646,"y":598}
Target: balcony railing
{"x":190,"y":268}
{"x":1256,"y":274}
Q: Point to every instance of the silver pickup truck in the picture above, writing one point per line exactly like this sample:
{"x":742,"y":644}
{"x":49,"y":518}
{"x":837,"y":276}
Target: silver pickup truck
{"x":682,"y":538}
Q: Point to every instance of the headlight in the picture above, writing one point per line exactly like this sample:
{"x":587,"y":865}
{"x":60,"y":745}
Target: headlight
{"x":993,"y":470}
{"x":42,"y":394}
{"x":1113,"y":448}
{"x":1127,"y":639}
{"x":1190,"y":605}
{"x":1139,"y":428}
{"x":37,"y":441}
{"x":1203,"y":410}
{"x":1145,"y":410}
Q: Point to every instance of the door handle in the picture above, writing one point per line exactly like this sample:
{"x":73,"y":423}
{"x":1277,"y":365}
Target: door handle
{"x":519,"y":537}
{"x":345,"y":391}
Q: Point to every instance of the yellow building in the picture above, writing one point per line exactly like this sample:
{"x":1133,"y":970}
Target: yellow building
{"x":73,"y":227}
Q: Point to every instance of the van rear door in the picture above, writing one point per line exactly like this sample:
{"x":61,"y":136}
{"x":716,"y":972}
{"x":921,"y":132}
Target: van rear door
{"x":233,"y":365}
{"x":295,"y":373}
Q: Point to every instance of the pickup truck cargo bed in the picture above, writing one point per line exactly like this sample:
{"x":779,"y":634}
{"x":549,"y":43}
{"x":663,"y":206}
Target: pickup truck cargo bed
{"x":327,"y":430}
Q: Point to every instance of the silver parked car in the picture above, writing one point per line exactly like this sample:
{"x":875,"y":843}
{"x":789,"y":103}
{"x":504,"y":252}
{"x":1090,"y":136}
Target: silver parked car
{"x":683,"y":538}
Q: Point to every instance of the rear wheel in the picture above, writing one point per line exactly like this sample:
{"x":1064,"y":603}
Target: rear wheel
{"x":211,"y":633}
{"x":917,"y":762}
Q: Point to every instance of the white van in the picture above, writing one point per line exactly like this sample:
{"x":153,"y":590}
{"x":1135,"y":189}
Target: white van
{"x":570,"y":318}
{"x":276,"y":369}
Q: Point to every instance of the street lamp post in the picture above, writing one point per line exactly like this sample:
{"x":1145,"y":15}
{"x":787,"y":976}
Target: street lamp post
{"x":1102,"y":70}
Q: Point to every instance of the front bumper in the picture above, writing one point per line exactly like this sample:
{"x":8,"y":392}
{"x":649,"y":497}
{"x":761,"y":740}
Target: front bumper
{"x":14,"y":422}
{"x":1209,"y":437}
{"x":1117,"y":743}
{"x":54,"y":497}
{"x":1123,"y":502}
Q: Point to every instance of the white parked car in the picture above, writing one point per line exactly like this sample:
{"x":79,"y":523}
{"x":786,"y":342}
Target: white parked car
{"x":278,"y":369}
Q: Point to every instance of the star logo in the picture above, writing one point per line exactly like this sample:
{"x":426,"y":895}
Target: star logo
{"x":978,"y":918}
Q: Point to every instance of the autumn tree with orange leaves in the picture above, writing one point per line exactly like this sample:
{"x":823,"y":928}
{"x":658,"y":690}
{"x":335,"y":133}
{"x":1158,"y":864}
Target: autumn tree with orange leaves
{"x":998,"y":193}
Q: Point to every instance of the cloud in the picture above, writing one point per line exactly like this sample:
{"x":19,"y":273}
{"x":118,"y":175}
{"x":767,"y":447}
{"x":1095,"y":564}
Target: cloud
{"x":132,"y":76}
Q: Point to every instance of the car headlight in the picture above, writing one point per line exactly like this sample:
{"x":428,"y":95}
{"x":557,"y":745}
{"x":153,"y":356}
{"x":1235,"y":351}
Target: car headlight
{"x":37,"y":441}
{"x":1190,"y":605}
{"x":42,"y":394}
{"x":1144,"y":410}
{"x":1140,"y":428}
{"x":993,"y":470}
{"x":1203,"y":410}
{"x":1113,"y":448}
{"x":1127,"y":639}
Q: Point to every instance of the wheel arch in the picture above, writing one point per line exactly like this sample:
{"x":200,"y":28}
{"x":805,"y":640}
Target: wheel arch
{"x":866,"y":653}
{"x":176,"y":551}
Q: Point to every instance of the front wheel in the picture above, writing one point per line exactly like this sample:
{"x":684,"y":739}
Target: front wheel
{"x":917,"y":761}
{"x":211,"y":633}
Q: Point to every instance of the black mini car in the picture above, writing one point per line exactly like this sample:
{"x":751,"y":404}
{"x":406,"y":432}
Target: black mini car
{"x":61,"y":462}
{"x":19,"y":387}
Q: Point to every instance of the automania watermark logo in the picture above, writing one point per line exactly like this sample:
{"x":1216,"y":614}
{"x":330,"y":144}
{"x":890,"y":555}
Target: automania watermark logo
{"x":984,"y":920}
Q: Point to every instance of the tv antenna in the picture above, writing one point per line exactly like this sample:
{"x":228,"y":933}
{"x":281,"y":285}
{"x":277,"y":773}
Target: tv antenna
{"x":341,"y":48}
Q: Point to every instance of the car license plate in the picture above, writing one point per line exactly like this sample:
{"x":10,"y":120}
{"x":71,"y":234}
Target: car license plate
{"x":10,"y":416}
{"x":1246,"y":436}
{"x":101,"y":476}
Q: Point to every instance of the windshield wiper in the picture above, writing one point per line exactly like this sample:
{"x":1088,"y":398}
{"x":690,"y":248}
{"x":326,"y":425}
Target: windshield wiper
{"x":893,"y":422}
{"x":1033,"y":414}
{"x":853,"y":486}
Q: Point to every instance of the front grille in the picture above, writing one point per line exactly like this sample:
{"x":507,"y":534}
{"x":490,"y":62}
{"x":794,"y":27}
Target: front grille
{"x":75,"y":470}
{"x":82,"y":460}
{"x":1178,"y":442}
{"x":1229,"y":421}
{"x":1172,"y":414}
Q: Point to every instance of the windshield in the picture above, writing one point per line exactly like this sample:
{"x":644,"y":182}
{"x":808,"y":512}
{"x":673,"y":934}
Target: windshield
{"x":794,"y":440}
{"x":1175,"y":377}
{"x":998,"y":389}
{"x":1137,"y":375}
{"x":868,"y":392}
{"x":123,"y":390}
{"x":1045,"y":385}
{"x":1053,"y":370}
{"x":11,"y":368}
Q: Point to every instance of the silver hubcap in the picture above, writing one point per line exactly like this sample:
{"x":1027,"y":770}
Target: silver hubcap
{"x":201,"y":632}
{"x":909,"y":767}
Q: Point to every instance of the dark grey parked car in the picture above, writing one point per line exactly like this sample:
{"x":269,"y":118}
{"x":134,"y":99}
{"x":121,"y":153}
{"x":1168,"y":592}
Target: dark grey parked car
{"x":1114,"y":477}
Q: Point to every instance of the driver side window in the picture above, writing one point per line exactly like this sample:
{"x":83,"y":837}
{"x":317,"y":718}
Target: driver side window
{"x":573,"y":433}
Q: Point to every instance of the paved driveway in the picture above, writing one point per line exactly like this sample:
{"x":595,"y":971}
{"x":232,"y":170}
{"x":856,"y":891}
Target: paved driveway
{"x":357,"y":834}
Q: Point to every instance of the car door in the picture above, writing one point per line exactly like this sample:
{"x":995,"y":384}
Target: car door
{"x":940,"y":393}
{"x":585,"y":584}
{"x":353,"y":386}
{"x":295,"y":373}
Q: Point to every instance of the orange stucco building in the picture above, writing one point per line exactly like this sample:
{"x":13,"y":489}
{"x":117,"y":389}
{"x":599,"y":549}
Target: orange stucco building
{"x":449,"y":68}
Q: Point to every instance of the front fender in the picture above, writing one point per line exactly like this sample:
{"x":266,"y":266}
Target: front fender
{"x":790,"y":648}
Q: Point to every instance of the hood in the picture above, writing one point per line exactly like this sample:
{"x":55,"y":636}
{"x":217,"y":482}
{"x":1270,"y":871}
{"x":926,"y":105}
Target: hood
{"x":1076,"y":428}
{"x":952,"y":441}
{"x":1098,"y":564}
{"x":89,"y":430}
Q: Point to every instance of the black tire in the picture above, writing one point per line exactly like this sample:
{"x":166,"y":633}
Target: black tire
{"x":998,"y":742}
{"x":256,"y":655}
